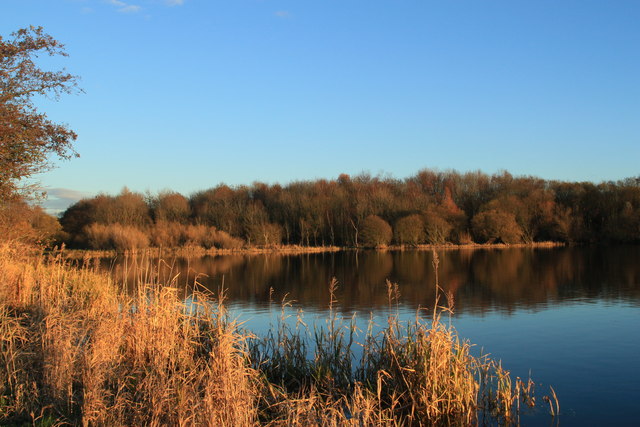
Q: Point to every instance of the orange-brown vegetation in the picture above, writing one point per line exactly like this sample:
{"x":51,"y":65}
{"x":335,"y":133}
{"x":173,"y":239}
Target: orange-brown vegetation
{"x":22,"y":222}
{"x":496,"y":226}
{"x":28,"y":139}
{"x":428,"y":208}
{"x":409,"y":230}
{"x":375,"y":232}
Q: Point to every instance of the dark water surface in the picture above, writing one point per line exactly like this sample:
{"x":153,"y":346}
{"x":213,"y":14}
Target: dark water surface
{"x":570,"y":316}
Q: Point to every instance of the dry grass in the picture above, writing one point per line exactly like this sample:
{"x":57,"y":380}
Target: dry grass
{"x":76,"y":349}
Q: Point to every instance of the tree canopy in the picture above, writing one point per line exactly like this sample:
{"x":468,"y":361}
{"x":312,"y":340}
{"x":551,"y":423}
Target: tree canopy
{"x":429,"y":207}
{"x":27,"y":136}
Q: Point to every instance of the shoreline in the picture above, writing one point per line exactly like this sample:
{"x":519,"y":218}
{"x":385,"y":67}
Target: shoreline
{"x":197,"y":251}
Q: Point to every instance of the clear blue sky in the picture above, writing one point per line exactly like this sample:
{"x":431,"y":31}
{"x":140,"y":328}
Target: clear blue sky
{"x":184,"y":95}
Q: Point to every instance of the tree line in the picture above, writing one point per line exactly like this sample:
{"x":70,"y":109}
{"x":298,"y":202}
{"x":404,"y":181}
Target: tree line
{"x":363,"y":211}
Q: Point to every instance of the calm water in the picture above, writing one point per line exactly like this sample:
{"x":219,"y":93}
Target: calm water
{"x":570,"y":316}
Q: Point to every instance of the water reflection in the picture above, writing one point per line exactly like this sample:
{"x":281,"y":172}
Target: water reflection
{"x":479,"y":280}
{"x":568,"y":315}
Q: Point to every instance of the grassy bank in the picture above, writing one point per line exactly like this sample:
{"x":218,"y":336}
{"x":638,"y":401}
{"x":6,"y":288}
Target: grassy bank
{"x":76,"y":349}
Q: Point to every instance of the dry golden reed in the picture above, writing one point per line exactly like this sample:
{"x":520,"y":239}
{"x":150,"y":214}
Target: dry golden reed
{"x":76,"y":348}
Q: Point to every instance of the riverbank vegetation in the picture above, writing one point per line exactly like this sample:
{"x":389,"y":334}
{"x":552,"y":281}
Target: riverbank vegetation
{"x":431,"y":208}
{"x":75,"y":348}
{"x":364,"y":211}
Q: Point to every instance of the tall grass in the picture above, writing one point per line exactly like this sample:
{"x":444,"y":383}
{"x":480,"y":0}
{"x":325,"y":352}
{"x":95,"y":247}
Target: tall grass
{"x":75,"y":348}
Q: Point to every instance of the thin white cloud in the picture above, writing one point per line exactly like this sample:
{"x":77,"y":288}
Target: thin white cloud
{"x":124,"y":7}
{"x":65,"y":193}
{"x":59,"y":199}
{"x":174,"y":2}
{"x":130,"y":8}
{"x":284,"y":14}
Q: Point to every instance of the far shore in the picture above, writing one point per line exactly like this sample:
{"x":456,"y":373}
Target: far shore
{"x":197,"y":251}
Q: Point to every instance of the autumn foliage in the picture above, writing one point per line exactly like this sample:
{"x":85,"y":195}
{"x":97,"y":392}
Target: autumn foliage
{"x":376,"y":232}
{"x":428,"y":208}
{"x":27,"y":136}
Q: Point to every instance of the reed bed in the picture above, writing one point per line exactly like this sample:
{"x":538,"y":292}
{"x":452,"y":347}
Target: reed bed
{"x":77,"y":349}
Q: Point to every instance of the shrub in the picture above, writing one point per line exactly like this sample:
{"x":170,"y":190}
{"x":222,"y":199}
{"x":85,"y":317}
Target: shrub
{"x":46,"y":227}
{"x":208,"y":237}
{"x":29,"y":224}
{"x":166,"y":234}
{"x":127,"y":237}
{"x":409,"y":230}
{"x":223,"y":240}
{"x":97,"y":236}
{"x":195,"y":235}
{"x":496,"y":226}
{"x":436,"y":227}
{"x":375,"y":232}
{"x":115,"y":236}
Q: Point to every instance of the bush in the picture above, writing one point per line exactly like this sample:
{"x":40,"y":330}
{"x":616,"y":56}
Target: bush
{"x":195,"y":235}
{"x":376,"y":232}
{"x":437,"y":228}
{"x":495,"y":226}
{"x":166,"y":234}
{"x":209,"y":237}
{"x":410,"y":230}
{"x":97,"y":236}
{"x":223,"y":240}
{"x":29,"y":224}
{"x":115,"y":236}
{"x":162,"y":234}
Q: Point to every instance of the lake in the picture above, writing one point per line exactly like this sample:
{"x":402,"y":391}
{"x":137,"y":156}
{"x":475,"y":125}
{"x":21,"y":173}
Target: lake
{"x":570,"y":316}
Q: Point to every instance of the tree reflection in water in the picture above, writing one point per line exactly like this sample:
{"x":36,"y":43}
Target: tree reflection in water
{"x":480,"y":280}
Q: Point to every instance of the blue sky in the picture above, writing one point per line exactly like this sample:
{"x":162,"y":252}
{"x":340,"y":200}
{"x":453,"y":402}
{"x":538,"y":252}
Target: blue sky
{"x":184,"y":95}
